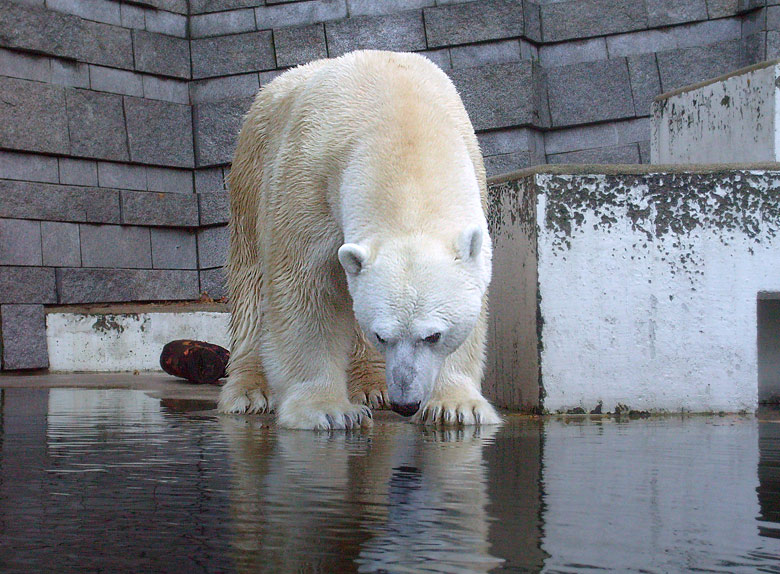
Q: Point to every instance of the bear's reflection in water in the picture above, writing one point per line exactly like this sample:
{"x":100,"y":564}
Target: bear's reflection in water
{"x":395,"y":499}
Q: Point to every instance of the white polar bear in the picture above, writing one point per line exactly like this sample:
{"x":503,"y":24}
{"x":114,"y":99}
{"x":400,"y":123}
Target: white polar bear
{"x":369,"y":160}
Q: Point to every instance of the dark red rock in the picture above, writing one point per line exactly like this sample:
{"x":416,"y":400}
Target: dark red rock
{"x":196,"y":361}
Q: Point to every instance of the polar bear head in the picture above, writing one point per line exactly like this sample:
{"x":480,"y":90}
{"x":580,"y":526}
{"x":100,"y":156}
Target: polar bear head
{"x":417,"y":298}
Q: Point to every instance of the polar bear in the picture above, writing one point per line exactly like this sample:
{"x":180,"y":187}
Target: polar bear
{"x":359,"y":250}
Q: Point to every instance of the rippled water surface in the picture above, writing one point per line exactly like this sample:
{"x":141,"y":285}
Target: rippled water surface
{"x":119,"y":481}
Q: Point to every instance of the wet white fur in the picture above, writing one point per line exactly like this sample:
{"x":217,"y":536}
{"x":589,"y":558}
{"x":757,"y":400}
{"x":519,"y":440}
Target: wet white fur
{"x":373,"y":150}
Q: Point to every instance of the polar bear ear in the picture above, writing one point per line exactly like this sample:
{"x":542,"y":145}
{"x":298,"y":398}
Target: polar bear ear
{"x":353,"y":258}
{"x":469,"y":244}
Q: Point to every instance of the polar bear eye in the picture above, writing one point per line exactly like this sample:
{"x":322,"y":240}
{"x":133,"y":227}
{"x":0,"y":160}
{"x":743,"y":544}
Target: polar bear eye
{"x":380,"y":339}
{"x":432,"y":339}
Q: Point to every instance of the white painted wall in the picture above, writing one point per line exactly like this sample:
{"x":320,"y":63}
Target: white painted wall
{"x":661,"y":324}
{"x":728,"y":121}
{"x":125,"y":342}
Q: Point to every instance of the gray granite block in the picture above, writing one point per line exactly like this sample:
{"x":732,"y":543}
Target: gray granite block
{"x":216,"y":127}
{"x":670,"y":12}
{"x":773,"y":18}
{"x":20,"y":242}
{"x":212,"y":247}
{"x":160,"y":54}
{"x":60,"y":243}
{"x":25,"y":66}
{"x":23,"y":337}
{"x":97,"y":10}
{"x":501,"y":95}
{"x":589,"y":92}
{"x":722,"y":8}
{"x":169,"y":180}
{"x":299,"y":13}
{"x":229,"y":87}
{"x":115,"y":81}
{"x":473,"y":22}
{"x":509,"y":162}
{"x":697,"y":34}
{"x":69,"y":73}
{"x":532,"y":20}
{"x":26,"y":200}
{"x":754,"y":22}
{"x":105,"y":44}
{"x":213,"y":283}
{"x":121,"y":175}
{"x":222,"y":23}
{"x":772,"y":44}
{"x":119,"y":285}
{"x":210,"y":180}
{"x":22,"y":285}
{"x":96,"y":123}
{"x":78,"y":171}
{"x":33,"y":117}
{"x":574,"y":19}
{"x":374,"y":8}
{"x":165,"y":89}
{"x":159,"y":132}
{"x":687,"y":66}
{"x":574,"y":52}
{"x":488,"y":53}
{"x":645,"y":82}
{"x":299,"y":44}
{"x":28,"y":167}
{"x":163,"y":22}
{"x":132,"y":16}
{"x":118,"y":246}
{"x":214,"y":207}
{"x":174,"y":249}
{"x":177,"y":6}
{"x":626,"y":154}
{"x":401,"y":32}
{"x":511,"y":140}
{"x":234,"y":54}
{"x":440,"y":57}
{"x":159,"y":209}
{"x":580,"y":138}
{"x":206,"y":6}
{"x":644,"y":151}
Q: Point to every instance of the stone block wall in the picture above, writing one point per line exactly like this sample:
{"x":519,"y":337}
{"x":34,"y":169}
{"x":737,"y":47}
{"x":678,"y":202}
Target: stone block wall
{"x":118,"y":118}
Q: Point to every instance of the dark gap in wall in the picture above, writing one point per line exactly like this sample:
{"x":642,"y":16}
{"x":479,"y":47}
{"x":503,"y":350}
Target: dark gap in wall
{"x":768,"y":312}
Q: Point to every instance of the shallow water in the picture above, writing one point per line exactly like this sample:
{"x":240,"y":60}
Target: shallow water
{"x":119,"y":481}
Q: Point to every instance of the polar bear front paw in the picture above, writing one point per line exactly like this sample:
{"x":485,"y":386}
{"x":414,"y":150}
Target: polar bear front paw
{"x":375,"y":399}
{"x":330,"y":417}
{"x":233,"y":399}
{"x":471,"y":411}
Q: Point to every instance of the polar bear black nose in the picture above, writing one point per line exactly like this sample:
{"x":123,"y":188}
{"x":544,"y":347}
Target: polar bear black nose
{"x":406,"y":410}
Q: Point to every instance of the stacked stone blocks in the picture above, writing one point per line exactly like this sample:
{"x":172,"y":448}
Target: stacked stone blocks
{"x":118,"y":119}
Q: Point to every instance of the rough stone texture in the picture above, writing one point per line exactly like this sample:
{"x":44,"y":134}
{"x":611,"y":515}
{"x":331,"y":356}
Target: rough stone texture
{"x":205,"y":6}
{"x":160,"y":54}
{"x":229,"y":87}
{"x":374,"y":8}
{"x":698,"y":34}
{"x":166,"y":89}
{"x":501,"y":95}
{"x":121,"y":176}
{"x":589,"y":92}
{"x":169,"y":180}
{"x":213,"y":283}
{"x":159,"y":209}
{"x":532,"y":20}
{"x":669,"y":12}
{"x":69,"y":74}
{"x":32,"y":116}
{"x":115,"y":81}
{"x":24,"y":66}
{"x":568,"y":53}
{"x":216,"y":127}
{"x":20,"y":242}
{"x":473,"y":22}
{"x":23,"y":337}
{"x":722,"y":8}
{"x":300,"y":44}
{"x":115,"y":246}
{"x":402,"y":32}
{"x":224,"y":55}
{"x":488,"y":53}
{"x":61,"y":244}
{"x":25,"y":200}
{"x":645,"y":82}
{"x":508,"y":162}
{"x":299,"y":13}
{"x":584,"y":18}
{"x":214,"y":207}
{"x":604,"y":135}
{"x":212,"y":247}
{"x":28,"y":167}
{"x":209,"y":180}
{"x":222,"y":23}
{"x":78,"y":172}
{"x":97,"y":10}
{"x":166,"y":23}
{"x":679,"y":68}
{"x":118,"y":285}
{"x":174,"y":249}
{"x":22,"y":285}
{"x":627,"y":154}
{"x":96,"y":123}
{"x":159,"y":132}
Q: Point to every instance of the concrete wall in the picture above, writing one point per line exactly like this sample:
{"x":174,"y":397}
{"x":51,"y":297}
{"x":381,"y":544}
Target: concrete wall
{"x":118,"y":120}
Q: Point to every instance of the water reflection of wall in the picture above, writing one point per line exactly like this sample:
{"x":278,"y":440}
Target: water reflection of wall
{"x":664,"y":496}
{"x":769,"y":478}
{"x":397,"y":499}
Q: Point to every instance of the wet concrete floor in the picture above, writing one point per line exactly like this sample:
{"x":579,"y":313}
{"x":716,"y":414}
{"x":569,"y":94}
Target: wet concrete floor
{"x":139,"y":474}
